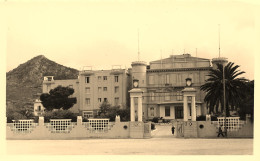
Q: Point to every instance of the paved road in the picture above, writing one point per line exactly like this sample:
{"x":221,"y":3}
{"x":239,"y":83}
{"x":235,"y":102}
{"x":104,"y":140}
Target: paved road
{"x":154,"y":146}
{"x":162,"y":131}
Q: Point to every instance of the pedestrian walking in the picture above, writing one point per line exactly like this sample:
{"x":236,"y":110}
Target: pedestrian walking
{"x":173,"y":128}
{"x":220,"y":132}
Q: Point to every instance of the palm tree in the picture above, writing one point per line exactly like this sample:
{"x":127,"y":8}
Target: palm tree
{"x":214,"y":88}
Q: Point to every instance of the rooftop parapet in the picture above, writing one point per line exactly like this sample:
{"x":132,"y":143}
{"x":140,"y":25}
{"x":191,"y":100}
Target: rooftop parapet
{"x":139,"y":63}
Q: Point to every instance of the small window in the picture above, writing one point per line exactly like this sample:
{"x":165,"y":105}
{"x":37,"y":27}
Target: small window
{"x":104,"y":77}
{"x":151,"y":111}
{"x":167,"y":111}
{"x":151,"y":96}
{"x":167,"y":79}
{"x":116,"y":78}
{"x":87,"y":90}
{"x":116,"y":89}
{"x":104,"y":88}
{"x":87,"y":114}
{"x":99,"y":100}
{"x":87,"y":79}
{"x":116,"y":100}
{"x":105,"y":99}
{"x":87,"y":101}
{"x":179,"y":96}
{"x":167,"y":97}
{"x":39,"y":108}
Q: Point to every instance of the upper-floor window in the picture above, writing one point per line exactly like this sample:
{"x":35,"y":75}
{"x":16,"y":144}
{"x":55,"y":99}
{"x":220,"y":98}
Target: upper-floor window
{"x":116,"y":100}
{"x":105,"y":99}
{"x":167,"y":96}
{"x":167,"y":79}
{"x":104,"y":77}
{"x":87,"y":90}
{"x":87,"y":79}
{"x":99,"y":100}
{"x":116,"y":89}
{"x":116,"y":78}
{"x":151,"y":96}
{"x":179,"y":96}
{"x":104,"y":88}
{"x":87,"y":101}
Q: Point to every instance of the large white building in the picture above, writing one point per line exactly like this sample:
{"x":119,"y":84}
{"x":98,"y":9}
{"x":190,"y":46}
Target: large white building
{"x":162,"y":82}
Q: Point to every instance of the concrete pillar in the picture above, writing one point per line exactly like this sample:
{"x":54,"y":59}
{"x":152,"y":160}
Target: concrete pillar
{"x":140,"y":110}
{"x":79,"y":120}
{"x":185,"y":108}
{"x":41,"y":121}
{"x":193,"y":109}
{"x":132,"y":109}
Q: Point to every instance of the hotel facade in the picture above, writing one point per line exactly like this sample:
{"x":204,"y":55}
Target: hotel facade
{"x":161,"y":81}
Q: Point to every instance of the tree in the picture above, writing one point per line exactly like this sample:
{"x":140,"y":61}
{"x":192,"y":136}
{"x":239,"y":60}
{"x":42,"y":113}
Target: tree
{"x":19,"y":111}
{"x":247,"y":105}
{"x":108,"y":111}
{"x":214,"y":88}
{"x":58,"y":98}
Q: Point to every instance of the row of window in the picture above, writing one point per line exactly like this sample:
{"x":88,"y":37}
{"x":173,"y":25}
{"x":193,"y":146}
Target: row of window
{"x":178,"y":112}
{"x":100,"y":89}
{"x":167,"y":96}
{"x":87,"y":100}
{"x":175,"y":78}
{"x":87,"y":78}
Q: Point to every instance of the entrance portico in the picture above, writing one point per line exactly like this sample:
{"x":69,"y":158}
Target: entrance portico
{"x":136,"y":93}
{"x":189,"y":104}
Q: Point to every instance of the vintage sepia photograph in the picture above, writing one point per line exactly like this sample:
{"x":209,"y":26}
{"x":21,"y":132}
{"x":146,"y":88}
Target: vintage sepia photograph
{"x":129,"y":77}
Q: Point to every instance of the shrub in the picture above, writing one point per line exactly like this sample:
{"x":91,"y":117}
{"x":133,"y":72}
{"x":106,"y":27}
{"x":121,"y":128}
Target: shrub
{"x":152,"y":126}
{"x":201,"y":118}
{"x":155,"y":119}
{"x":60,"y":114}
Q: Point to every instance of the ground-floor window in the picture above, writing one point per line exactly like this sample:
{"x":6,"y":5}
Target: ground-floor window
{"x":178,"y":112}
{"x":152,"y":111}
{"x":87,"y":114}
{"x":167,"y":111}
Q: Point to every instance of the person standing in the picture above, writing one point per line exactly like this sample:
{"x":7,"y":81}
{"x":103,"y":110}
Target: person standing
{"x":173,"y":128}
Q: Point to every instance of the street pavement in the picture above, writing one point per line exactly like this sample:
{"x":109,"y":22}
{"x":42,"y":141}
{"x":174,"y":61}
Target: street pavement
{"x":153,"y":146}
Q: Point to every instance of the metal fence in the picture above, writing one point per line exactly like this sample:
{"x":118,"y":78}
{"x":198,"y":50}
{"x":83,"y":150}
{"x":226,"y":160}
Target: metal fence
{"x":22,"y":126}
{"x":98,"y":125}
{"x":232,"y":123}
{"x":60,"y":125}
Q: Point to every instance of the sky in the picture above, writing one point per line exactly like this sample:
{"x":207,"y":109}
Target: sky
{"x":103,"y":34}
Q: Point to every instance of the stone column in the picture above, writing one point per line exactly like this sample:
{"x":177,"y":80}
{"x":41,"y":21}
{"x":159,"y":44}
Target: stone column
{"x":185,"y":108}
{"x":41,"y":121}
{"x":132,"y":109}
{"x":79,"y":120}
{"x":140,"y":110}
{"x":193,"y":109}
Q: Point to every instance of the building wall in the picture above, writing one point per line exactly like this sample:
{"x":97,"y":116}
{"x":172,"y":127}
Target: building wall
{"x":166,"y":78}
{"x":102,"y":86}
{"x":72,"y":83}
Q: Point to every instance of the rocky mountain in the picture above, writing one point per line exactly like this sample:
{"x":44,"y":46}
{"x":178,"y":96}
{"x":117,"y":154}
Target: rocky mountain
{"x":24,"y":83}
